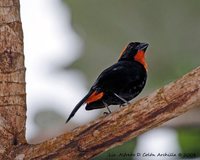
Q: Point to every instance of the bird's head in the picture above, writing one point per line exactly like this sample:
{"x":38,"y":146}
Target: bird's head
{"x":134,"y":51}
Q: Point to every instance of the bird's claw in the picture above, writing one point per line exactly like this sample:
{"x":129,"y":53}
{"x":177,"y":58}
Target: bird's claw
{"x":106,"y":113}
{"x":122,"y":105}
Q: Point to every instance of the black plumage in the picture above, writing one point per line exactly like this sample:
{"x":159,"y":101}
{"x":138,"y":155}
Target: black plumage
{"x":119,"y":83}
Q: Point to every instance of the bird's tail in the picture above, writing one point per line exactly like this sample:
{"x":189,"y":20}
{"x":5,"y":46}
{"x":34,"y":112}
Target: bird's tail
{"x":79,"y":105}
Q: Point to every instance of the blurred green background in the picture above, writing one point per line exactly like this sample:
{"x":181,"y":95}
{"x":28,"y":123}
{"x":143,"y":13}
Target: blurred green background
{"x":171,"y":27}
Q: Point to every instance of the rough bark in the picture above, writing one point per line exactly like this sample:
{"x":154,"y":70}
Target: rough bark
{"x":12,"y":81}
{"x":98,"y":136}
{"x":85,"y":141}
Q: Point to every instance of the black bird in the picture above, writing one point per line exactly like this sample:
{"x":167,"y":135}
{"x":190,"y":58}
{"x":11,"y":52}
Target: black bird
{"x":119,"y":83}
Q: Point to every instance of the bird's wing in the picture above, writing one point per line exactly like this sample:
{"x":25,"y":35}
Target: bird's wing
{"x":115,"y":77}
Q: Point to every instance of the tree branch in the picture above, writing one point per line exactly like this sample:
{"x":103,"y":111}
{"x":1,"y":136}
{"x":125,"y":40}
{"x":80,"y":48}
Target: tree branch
{"x":12,"y":79}
{"x":98,"y":136}
{"x":85,"y":141}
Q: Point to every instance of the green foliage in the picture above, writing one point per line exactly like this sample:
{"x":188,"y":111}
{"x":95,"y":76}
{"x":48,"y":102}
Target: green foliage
{"x":122,"y":152}
{"x":170,"y":27}
{"x":189,"y":140}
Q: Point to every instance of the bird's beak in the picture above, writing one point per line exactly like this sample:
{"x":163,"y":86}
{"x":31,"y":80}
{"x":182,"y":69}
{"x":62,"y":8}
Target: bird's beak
{"x":143,"y":46}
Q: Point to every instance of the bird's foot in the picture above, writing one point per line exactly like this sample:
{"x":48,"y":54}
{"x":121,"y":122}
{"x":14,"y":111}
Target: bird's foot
{"x":125,"y":104}
{"x":122,"y":105}
{"x":106,"y":113}
{"x":106,"y":105}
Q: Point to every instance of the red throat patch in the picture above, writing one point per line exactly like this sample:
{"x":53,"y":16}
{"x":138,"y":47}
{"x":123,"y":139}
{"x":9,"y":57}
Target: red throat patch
{"x":139,"y":57}
{"x":94,"y":97}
